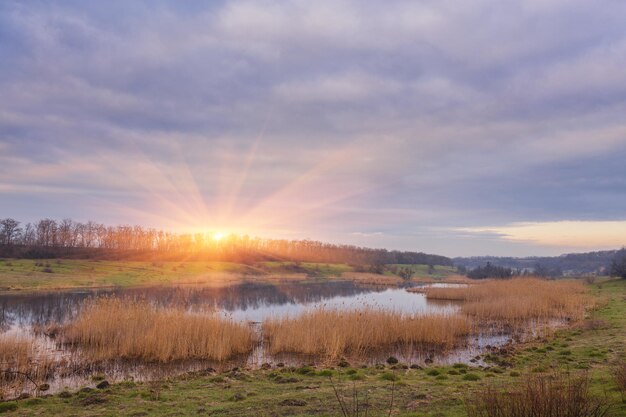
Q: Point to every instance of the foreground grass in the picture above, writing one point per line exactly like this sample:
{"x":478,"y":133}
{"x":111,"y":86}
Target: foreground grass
{"x":51,"y":274}
{"x":435,"y":391}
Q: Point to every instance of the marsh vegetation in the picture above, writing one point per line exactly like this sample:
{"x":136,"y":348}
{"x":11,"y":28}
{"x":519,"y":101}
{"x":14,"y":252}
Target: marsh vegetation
{"x":357,"y":333}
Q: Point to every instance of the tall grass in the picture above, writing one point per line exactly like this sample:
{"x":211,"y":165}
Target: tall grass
{"x":619,"y":373}
{"x":19,"y":365}
{"x":518,"y":299}
{"x":333,"y":333}
{"x":558,"y":395}
{"x":111,"y":328}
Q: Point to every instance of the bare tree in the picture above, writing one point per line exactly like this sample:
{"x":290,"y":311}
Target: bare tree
{"x":9,"y":231}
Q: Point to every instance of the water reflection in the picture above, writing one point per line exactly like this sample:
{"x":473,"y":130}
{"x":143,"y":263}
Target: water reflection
{"x":244,"y":302}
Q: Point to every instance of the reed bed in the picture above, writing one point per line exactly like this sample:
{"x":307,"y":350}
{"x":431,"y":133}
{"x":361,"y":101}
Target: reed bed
{"x":332,"y":333}
{"x":111,"y":328}
{"x":20,"y":366}
{"x":459,"y":279}
{"x":368,"y":278}
{"x":518,"y":299}
{"x":15,"y":351}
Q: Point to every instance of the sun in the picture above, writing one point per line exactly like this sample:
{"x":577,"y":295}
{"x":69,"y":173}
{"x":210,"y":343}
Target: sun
{"x":217,"y":236}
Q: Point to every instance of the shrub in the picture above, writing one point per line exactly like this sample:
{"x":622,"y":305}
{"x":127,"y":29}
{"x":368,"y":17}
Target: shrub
{"x":470,"y":377}
{"x":557,"y":395}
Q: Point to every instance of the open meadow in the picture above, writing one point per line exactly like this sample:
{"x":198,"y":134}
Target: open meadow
{"x":54,"y":274}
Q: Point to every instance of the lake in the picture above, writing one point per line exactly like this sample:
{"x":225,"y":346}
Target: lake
{"x":246,"y":302}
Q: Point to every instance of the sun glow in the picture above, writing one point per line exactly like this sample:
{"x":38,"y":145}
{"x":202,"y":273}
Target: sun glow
{"x":217,"y":236}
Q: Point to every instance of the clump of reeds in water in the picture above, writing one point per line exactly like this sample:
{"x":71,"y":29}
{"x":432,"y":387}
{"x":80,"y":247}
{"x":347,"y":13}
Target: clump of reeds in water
{"x":111,"y":328}
{"x":20,"y":366}
{"x":518,"y":299}
{"x":333,"y":333}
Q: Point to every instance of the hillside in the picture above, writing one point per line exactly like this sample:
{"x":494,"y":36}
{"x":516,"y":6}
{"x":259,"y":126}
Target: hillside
{"x":569,"y":264}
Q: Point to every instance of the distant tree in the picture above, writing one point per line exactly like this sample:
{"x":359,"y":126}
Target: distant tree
{"x":28,"y":235}
{"x":405,"y":273}
{"x":9,"y":231}
{"x":461,"y":269}
{"x":431,"y":269}
{"x":490,"y":271}
{"x":51,"y":238}
{"x":377,"y":268}
{"x":541,"y":270}
{"x":618,"y":266}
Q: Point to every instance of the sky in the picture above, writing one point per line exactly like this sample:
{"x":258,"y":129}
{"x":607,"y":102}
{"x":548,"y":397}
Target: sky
{"x":467,"y":128}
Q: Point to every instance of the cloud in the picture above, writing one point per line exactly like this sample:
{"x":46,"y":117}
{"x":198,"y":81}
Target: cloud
{"x":405,"y":118}
{"x":567,"y":233}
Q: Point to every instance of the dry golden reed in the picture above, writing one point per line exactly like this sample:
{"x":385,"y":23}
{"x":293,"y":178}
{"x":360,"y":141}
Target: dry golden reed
{"x":20,"y":365}
{"x":15,"y":353}
{"x":111,"y":328}
{"x":333,"y":333}
{"x":519,"y":299}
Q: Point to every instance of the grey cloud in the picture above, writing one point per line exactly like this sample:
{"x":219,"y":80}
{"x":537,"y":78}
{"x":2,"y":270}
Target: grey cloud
{"x":430,"y":114}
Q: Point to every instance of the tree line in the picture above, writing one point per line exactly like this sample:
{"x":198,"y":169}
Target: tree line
{"x":48,"y":238}
{"x":617,"y":268}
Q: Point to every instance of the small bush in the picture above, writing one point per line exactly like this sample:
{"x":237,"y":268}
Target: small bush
{"x":471,"y":377}
{"x":556,"y":395}
{"x":432,"y":372}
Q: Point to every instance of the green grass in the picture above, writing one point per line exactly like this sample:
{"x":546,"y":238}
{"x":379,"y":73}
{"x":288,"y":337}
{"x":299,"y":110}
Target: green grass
{"x":31,"y":274}
{"x":265,"y":392}
{"x":27,"y":274}
{"x":51,"y":274}
{"x":312,"y":269}
{"x":421,"y":271}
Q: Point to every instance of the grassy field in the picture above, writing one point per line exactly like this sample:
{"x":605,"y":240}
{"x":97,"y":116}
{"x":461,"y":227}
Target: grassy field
{"x":27,"y":274}
{"x":593,"y":347}
{"x":422,"y":271}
